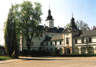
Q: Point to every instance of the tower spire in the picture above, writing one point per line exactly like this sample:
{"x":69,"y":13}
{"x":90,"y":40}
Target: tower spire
{"x":72,"y":14}
{"x":50,"y":18}
{"x":11,"y":3}
{"x":49,"y":4}
{"x":73,"y":25}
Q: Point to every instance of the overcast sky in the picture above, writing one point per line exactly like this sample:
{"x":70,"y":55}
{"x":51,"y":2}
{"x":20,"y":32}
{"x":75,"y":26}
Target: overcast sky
{"x":61,"y":10}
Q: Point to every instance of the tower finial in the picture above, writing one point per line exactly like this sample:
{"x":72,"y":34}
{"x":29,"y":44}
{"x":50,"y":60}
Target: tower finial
{"x":49,"y":4}
{"x":72,"y":17}
{"x":11,"y":3}
{"x":72,"y":14}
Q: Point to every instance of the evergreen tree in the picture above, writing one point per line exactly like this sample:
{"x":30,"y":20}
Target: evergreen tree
{"x":10,"y":35}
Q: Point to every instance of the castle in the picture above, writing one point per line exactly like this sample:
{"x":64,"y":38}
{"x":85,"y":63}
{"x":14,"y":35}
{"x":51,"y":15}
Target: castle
{"x":69,"y":41}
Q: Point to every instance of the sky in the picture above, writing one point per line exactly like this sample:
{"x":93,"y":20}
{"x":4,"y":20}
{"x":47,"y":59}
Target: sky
{"x":61,"y":11}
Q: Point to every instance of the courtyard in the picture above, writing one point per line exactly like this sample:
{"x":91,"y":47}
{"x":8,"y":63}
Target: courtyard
{"x":50,"y":62}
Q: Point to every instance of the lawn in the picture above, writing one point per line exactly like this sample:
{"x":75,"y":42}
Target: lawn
{"x":4,"y":58}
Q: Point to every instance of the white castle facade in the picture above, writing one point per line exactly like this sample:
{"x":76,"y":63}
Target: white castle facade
{"x":69,"y":41}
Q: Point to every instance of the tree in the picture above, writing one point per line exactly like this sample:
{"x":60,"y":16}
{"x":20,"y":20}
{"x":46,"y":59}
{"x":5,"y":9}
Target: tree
{"x":29,"y":20}
{"x":94,"y":28}
{"x":82,"y":25}
{"x":10,"y":35}
{"x":22,"y":18}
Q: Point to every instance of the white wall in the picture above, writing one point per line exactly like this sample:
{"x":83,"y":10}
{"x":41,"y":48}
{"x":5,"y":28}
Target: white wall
{"x":94,"y":39}
{"x":68,"y":35}
{"x":79,"y":40}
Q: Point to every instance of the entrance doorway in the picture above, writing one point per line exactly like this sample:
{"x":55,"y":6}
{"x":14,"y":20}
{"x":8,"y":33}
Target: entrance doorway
{"x":67,"y":51}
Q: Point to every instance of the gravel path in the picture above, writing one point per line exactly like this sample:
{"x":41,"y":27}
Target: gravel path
{"x":51,"y":62}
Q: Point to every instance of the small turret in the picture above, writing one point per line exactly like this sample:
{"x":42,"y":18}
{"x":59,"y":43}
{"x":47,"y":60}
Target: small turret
{"x":73,"y":25}
{"x":50,"y":19}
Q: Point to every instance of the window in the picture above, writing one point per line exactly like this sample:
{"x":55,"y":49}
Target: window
{"x":60,"y":42}
{"x":90,"y":39}
{"x":55,"y":43}
{"x":87,"y":40}
{"x":51,"y":43}
{"x":75,"y":41}
{"x":67,"y":40}
{"x":82,"y":40}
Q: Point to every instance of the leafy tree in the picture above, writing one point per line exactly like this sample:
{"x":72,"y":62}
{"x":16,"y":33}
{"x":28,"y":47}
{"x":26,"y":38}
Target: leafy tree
{"x":29,"y":20}
{"x":94,"y":28}
{"x":82,"y":25}
{"x":22,"y":19}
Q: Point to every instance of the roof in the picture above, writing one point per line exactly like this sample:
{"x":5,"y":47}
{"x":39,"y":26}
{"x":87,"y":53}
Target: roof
{"x":49,"y":15}
{"x":55,"y":30}
{"x":71,"y":27}
{"x":88,"y":33}
{"x":52,"y":30}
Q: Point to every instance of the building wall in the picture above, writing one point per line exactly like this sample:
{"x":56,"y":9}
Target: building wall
{"x":57,"y":37}
{"x":37,"y":41}
{"x":50,"y":23}
{"x":94,"y":39}
{"x":87,"y":47}
{"x":68,"y":35}
{"x":79,"y":41}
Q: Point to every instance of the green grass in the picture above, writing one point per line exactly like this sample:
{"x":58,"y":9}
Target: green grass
{"x":4,"y":58}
